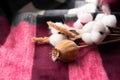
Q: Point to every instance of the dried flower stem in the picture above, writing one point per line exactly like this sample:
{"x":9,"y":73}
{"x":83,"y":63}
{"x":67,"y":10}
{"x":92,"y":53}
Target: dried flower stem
{"x":113,"y":34}
{"x":82,"y":46}
{"x":104,"y":42}
{"x":114,"y":30}
{"x":110,"y":41}
{"x":41,"y":39}
{"x":63,"y":30}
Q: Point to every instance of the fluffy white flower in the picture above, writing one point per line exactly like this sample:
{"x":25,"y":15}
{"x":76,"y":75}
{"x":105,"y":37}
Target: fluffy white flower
{"x":96,"y":37}
{"x":78,"y":24}
{"x":99,"y":27}
{"x":87,"y":8}
{"x":92,"y":1}
{"x":88,"y":27}
{"x":99,"y":16}
{"x":55,"y":38}
{"x":94,"y":32}
{"x":86,"y":37}
{"x":109,"y":20}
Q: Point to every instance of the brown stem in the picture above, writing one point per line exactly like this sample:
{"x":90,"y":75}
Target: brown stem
{"x":110,"y":41}
{"x":62,"y":30}
{"x":114,"y":30}
{"x":105,"y":42}
{"x":41,"y":39}
{"x":82,"y":46}
{"x":113,"y":34}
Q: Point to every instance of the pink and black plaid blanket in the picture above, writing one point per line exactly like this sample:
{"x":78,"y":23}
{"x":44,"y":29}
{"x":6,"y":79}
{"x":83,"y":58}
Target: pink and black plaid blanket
{"x":21,"y":59}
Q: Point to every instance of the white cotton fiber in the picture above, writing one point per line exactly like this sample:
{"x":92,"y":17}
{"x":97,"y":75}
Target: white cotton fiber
{"x":86,"y":37}
{"x":55,"y":38}
{"x":96,"y":37}
{"x":85,"y":18}
{"x":92,"y":1}
{"x":53,"y":31}
{"x":78,"y":24}
{"x":99,"y":27}
{"x":88,"y":27}
{"x":99,"y":16}
{"x":87,"y":8}
{"x":109,"y":20}
{"x":60,"y":24}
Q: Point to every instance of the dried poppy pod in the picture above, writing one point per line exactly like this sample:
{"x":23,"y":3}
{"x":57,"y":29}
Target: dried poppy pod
{"x":66,"y":50}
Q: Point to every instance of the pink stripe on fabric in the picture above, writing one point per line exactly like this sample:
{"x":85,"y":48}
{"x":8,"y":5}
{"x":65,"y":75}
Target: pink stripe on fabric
{"x":16,"y":54}
{"x":88,"y":66}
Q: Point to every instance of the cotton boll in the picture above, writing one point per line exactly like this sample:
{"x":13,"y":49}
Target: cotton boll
{"x":85,"y":18}
{"x":78,"y":24}
{"x":74,"y":11}
{"x":99,"y":17}
{"x":86,"y":37}
{"x":92,"y":1}
{"x":87,"y":8}
{"x":109,"y":20}
{"x":99,"y":27}
{"x":88,"y":27}
{"x":96,"y":37}
{"x":106,"y":9}
{"x":55,"y":38}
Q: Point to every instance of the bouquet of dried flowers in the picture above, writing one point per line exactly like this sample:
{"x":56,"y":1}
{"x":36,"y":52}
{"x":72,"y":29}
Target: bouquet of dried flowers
{"x":93,"y":33}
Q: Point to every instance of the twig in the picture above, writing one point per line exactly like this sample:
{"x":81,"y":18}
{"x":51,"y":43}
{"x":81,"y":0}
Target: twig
{"x":63,"y":30}
{"x":41,"y":39}
{"x":110,"y":41}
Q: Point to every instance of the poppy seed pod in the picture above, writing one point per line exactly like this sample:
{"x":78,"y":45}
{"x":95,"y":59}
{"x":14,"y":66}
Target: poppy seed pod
{"x":65,"y":50}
